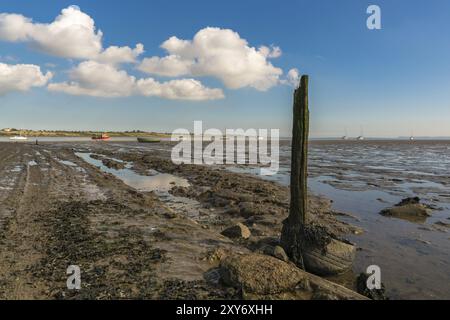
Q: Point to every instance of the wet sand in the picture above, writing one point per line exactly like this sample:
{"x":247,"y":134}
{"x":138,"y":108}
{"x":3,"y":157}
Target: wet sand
{"x":152,"y":232}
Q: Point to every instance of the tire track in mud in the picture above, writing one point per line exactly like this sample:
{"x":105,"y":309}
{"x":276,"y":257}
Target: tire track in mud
{"x":50,"y":231}
{"x":20,"y":236}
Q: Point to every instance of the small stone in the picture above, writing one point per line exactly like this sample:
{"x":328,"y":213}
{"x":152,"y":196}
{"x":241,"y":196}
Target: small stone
{"x":237,"y":231}
{"x":279,"y":253}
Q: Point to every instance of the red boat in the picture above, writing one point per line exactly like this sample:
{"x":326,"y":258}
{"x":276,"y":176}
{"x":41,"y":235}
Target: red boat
{"x":103,"y":136}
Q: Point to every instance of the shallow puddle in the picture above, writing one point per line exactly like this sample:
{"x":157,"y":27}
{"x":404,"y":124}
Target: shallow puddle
{"x":156,"y":182}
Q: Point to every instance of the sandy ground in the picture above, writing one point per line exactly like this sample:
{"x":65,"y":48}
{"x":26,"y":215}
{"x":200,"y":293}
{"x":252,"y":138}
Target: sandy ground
{"x":57,"y":210}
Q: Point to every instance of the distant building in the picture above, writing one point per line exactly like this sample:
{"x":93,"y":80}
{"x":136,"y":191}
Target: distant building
{"x":7,"y":130}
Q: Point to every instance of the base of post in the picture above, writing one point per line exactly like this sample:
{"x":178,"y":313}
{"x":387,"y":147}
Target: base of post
{"x":312,"y":248}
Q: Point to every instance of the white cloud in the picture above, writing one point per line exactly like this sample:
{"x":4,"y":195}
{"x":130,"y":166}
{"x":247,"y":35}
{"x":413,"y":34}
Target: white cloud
{"x":92,"y":78}
{"x":169,"y":66}
{"x":183,"y":89}
{"x":220,"y":53}
{"x":272,"y":52}
{"x":98,"y":80}
{"x":213,"y":52}
{"x":116,"y":55}
{"x":21,"y":77}
{"x":71,"y":35}
{"x":292,"y":78}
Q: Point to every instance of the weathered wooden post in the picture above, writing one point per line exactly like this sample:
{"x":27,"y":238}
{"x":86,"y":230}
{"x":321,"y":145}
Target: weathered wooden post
{"x":294,"y":224}
{"x":309,"y":246}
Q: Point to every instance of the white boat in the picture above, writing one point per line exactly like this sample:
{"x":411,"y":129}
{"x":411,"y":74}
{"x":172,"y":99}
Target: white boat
{"x":345,"y":136}
{"x":18,"y":138}
{"x":361,"y":136}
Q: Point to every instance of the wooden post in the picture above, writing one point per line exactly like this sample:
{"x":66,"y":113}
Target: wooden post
{"x":294,"y":224}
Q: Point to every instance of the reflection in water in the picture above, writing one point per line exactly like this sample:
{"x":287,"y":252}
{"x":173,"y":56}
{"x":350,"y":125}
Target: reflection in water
{"x":157,"y":182}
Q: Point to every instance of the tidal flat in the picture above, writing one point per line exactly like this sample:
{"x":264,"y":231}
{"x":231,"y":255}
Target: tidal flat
{"x":142,"y":227}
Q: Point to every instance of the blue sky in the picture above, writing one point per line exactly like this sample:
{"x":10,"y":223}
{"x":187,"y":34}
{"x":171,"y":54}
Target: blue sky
{"x":392,"y":82}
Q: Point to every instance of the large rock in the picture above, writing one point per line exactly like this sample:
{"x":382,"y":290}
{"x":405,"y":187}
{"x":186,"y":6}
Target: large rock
{"x":238,"y":231}
{"x":408,"y":209}
{"x":336,"y":258}
{"x":261,"y":276}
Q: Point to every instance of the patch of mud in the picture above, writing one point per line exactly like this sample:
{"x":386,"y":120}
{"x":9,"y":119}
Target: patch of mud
{"x":112,"y":268}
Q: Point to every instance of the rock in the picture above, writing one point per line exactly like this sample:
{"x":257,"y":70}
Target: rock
{"x":408,"y":209}
{"x":112,"y":164}
{"x":276,"y":252}
{"x":336,"y":258}
{"x":237,"y":231}
{"x":411,"y":200}
{"x":261,"y":276}
{"x":217,"y":254}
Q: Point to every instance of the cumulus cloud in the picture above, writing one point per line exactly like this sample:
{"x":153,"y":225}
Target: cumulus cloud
{"x":220,"y":53}
{"x":212,"y":52}
{"x":96,"y":79}
{"x":71,"y":35}
{"x":183,"y":89}
{"x":292,"y":78}
{"x":169,"y":66}
{"x":21,"y":77}
{"x":272,"y":52}
{"x":116,"y":55}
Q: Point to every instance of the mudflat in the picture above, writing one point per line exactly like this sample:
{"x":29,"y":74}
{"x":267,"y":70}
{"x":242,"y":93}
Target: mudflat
{"x":134,"y":242}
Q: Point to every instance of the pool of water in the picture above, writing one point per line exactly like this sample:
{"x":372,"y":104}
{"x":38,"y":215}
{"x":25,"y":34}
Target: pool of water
{"x":161,"y":182}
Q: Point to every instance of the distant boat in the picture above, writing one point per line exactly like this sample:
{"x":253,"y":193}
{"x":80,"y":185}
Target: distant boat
{"x":148,"y":140}
{"x":411,"y":138}
{"x":18,"y":138}
{"x":103,"y":136}
{"x":361,"y":136}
